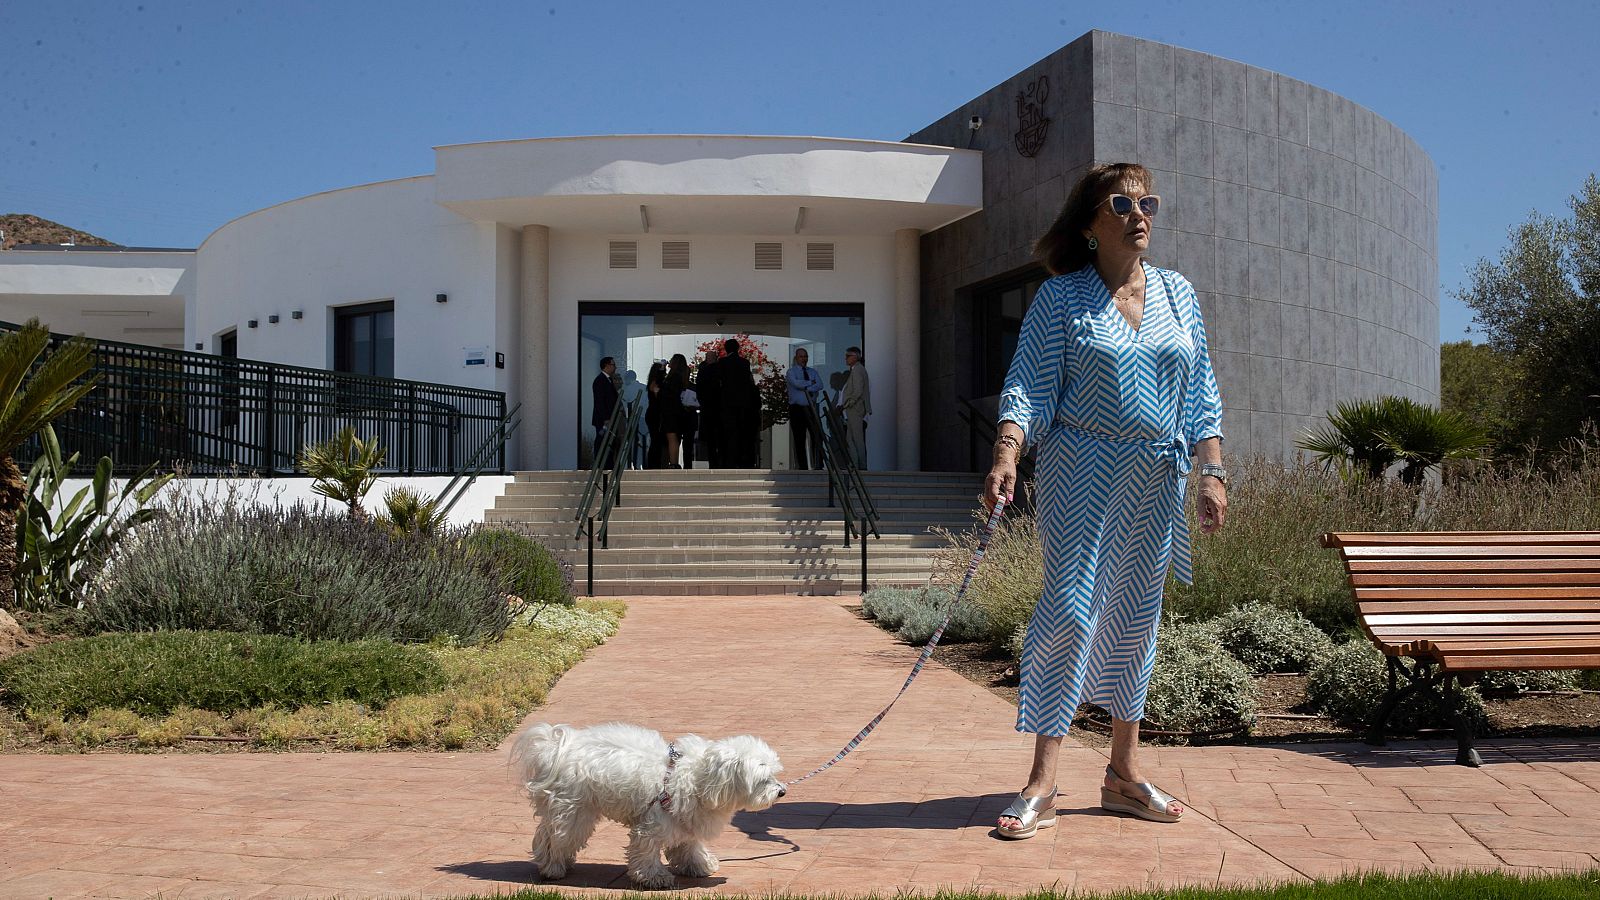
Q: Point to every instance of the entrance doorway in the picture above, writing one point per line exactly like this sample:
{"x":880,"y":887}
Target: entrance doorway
{"x":638,"y":335}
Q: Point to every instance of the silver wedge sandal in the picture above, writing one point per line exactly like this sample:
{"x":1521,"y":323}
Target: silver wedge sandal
{"x":1033,"y":813}
{"x":1139,"y":798}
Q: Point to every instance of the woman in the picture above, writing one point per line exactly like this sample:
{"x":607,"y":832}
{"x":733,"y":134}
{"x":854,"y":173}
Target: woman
{"x":1112,"y":386}
{"x":655,"y":382}
{"x":675,"y":419}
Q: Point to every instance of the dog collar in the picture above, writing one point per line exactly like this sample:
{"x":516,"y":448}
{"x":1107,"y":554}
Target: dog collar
{"x":672,"y":761}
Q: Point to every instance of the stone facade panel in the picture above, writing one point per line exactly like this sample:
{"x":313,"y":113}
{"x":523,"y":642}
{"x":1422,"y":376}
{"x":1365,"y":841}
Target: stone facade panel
{"x":1308,"y":225}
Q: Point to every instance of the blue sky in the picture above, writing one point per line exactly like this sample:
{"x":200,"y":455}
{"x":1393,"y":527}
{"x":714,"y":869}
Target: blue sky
{"x":153,"y":123}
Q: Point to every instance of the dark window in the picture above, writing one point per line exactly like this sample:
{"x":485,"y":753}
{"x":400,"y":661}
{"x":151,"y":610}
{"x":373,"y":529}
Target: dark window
{"x":228,"y":402}
{"x":999,"y":309}
{"x":364,"y":339}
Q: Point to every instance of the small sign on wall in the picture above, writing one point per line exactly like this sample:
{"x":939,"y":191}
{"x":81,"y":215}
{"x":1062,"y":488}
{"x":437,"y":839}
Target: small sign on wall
{"x":474,"y":356}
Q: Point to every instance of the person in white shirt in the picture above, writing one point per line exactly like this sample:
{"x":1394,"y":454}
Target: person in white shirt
{"x":803,"y":381}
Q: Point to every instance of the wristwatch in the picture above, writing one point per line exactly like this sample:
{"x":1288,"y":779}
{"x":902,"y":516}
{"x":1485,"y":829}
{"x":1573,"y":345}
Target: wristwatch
{"x":1215,"y":471}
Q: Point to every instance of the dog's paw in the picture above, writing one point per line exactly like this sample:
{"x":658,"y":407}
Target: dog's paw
{"x":657,"y":878}
{"x":552,"y":871}
{"x":706,"y":865}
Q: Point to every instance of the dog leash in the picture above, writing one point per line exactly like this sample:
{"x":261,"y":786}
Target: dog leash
{"x":984,"y":537}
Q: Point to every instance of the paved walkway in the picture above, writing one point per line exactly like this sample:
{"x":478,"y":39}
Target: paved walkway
{"x":912,"y":808}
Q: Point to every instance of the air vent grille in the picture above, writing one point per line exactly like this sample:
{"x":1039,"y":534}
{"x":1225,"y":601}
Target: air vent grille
{"x":769,"y":255}
{"x":674,"y":254}
{"x":624,"y":254}
{"x":819,"y":257}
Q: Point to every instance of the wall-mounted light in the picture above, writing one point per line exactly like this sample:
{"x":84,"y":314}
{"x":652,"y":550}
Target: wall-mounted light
{"x":199,"y":345}
{"x":250,"y":324}
{"x":296,"y":314}
{"x":272,"y":319}
{"x":440,"y":298}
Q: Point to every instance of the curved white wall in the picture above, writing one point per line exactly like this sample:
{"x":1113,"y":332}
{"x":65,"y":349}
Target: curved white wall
{"x":387,"y":241}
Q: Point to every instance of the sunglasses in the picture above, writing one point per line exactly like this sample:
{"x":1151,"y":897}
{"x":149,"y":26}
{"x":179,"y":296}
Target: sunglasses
{"x":1122,"y":204}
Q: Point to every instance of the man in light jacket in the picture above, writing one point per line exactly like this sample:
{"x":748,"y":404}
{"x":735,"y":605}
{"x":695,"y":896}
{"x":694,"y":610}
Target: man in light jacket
{"x":856,"y":398}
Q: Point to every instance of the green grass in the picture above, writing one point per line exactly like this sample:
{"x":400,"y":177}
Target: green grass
{"x":1377,"y":886}
{"x":487,"y":689}
{"x":157,"y":672}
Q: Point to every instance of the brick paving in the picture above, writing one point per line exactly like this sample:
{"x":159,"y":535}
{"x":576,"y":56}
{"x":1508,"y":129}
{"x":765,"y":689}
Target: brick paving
{"x":912,"y":809}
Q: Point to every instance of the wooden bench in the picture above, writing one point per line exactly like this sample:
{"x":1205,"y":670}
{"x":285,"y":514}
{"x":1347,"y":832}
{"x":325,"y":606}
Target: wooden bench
{"x":1444,"y":607}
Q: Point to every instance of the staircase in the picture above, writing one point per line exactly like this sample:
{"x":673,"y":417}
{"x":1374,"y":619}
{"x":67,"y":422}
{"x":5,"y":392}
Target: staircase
{"x":704,"y":531}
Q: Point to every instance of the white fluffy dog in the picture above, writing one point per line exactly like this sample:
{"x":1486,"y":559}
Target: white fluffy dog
{"x":575,"y":776}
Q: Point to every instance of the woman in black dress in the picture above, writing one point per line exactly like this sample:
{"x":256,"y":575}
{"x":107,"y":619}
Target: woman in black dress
{"x":655,"y":384}
{"x":675,"y":419}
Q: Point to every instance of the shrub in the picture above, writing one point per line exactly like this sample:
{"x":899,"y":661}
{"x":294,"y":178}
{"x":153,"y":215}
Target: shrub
{"x":63,"y":543}
{"x":1015,"y":642}
{"x":571,"y":622}
{"x":1196,"y":685}
{"x":914,"y":614}
{"x":296,"y":572}
{"x":407,"y":512}
{"x":537,"y":575}
{"x":1007,"y":585}
{"x":1513,"y":683}
{"x":1349,"y":684}
{"x":157,"y":673}
{"x":1268,"y":639}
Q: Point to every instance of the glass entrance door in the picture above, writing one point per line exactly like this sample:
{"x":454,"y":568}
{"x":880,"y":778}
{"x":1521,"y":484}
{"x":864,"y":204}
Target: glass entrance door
{"x":638,"y":336}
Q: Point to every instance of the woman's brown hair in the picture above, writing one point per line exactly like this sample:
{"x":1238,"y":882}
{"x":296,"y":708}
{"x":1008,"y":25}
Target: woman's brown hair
{"x":1063,"y":248}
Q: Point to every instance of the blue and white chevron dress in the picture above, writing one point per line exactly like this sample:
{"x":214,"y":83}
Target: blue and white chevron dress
{"x":1112,"y":414}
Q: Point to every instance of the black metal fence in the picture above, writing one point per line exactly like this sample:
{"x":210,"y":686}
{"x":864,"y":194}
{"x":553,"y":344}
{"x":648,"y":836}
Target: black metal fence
{"x":215,"y":415}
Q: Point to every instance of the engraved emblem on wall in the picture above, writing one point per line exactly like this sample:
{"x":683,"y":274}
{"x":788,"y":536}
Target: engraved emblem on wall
{"x":1032,"y":124}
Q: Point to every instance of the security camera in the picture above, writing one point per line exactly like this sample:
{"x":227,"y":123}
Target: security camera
{"x":975,"y":123}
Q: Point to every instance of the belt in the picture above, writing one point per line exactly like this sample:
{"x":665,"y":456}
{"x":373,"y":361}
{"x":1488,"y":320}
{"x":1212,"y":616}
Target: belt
{"x":1175,"y":449}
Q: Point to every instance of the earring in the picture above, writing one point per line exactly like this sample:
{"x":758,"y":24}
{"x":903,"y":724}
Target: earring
{"x":1094,"y":243}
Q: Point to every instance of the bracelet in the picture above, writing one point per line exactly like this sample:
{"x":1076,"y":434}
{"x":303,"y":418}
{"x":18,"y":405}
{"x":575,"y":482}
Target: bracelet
{"x":1009,"y":440}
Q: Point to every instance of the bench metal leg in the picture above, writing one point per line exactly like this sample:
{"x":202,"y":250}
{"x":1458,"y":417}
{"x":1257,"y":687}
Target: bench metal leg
{"x":1456,"y":697}
{"x":1418,"y":678}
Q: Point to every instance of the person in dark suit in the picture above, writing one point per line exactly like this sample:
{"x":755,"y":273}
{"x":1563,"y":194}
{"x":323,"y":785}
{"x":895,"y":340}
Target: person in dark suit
{"x":739,"y":406}
{"x":705,"y":384}
{"x":605,"y":403}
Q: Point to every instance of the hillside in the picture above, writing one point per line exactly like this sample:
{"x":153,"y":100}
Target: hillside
{"x":21,"y":228}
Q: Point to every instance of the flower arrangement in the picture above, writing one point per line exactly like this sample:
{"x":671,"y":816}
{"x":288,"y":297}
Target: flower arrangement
{"x":770,"y":386}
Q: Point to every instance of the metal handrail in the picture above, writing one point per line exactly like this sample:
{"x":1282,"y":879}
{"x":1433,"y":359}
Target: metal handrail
{"x":979,"y":425}
{"x":219,"y":415}
{"x":615,"y":449}
{"x":619,"y":463}
{"x":475,"y":465}
{"x":838,"y":482}
{"x":844,"y":477}
{"x":619,"y":414}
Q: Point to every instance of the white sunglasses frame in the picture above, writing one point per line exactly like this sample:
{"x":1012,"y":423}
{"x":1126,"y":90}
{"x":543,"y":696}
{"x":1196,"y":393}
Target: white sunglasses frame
{"x":1137,"y":204}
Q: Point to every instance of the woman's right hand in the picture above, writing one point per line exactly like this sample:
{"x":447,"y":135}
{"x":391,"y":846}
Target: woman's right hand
{"x":1002,"y":482}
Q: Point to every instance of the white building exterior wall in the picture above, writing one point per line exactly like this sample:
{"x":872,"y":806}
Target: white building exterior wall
{"x":139,"y":297}
{"x":386,"y":241}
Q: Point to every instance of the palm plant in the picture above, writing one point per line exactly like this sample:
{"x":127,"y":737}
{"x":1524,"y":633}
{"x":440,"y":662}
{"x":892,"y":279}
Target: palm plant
{"x":1366,"y":437}
{"x":34,"y":389}
{"x":1353,"y":439}
{"x":1422,"y":437}
{"x":407,"y":512}
{"x":342,"y":469}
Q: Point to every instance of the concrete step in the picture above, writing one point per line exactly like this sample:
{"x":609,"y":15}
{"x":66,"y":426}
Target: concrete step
{"x":743,"y":587}
{"x":907,"y":558}
{"x":741,"y":542}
